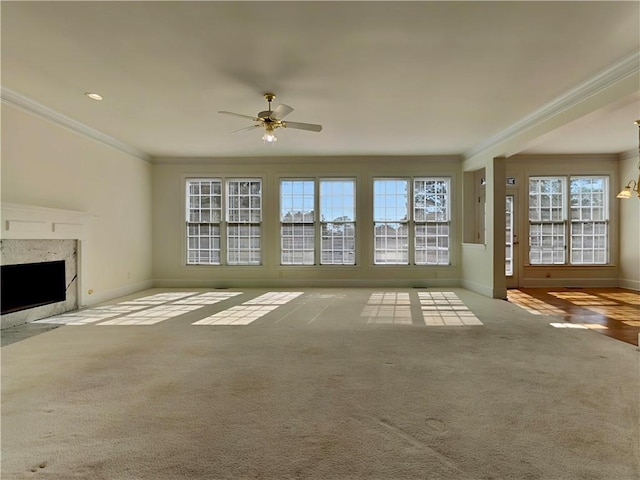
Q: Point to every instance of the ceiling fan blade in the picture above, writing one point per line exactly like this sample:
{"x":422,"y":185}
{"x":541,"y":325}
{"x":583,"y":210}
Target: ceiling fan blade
{"x":244,"y":129}
{"x":238,"y":115}
{"x":281,"y":111}
{"x":302,"y":126}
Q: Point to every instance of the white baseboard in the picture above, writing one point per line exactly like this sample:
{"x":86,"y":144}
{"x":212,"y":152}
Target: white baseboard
{"x":315,"y":283}
{"x":486,"y":290}
{"x":570,"y":282}
{"x":104,"y":296}
{"x":630,"y":284}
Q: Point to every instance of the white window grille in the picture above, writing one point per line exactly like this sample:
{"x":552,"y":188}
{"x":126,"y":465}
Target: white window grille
{"x":204,"y":216}
{"x":300,"y":227}
{"x":337,"y":221}
{"x":589,"y":220}
{"x":297,"y":216}
{"x":206,"y":225}
{"x":586,"y":229}
{"x":244,"y":216}
{"x":431,"y":219}
{"x":391,"y":221}
{"x":412,"y":217}
{"x":546,"y":220}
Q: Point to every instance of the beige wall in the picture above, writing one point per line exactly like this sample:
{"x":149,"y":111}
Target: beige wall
{"x":629,"y":226}
{"x":137,"y":234}
{"x":46,"y":165}
{"x":483,"y":263}
{"x":170,"y":268}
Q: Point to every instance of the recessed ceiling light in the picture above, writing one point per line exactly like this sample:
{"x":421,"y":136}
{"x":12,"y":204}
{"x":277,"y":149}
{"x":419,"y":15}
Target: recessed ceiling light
{"x":93,"y":96}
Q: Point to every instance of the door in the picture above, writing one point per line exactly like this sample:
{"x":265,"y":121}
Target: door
{"x":511,"y":254}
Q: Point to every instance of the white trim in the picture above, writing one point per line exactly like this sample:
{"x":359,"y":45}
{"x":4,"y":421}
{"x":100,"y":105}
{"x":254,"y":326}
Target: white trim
{"x":31,"y":106}
{"x":626,"y":67}
{"x":108,"y":295}
{"x":486,"y":290}
{"x":633,"y":153}
{"x":312,"y":283}
{"x":630,"y":284}
{"x":32,"y":222}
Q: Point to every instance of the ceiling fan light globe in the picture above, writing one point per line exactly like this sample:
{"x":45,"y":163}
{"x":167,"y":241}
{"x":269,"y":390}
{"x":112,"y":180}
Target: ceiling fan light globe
{"x":270,"y":137}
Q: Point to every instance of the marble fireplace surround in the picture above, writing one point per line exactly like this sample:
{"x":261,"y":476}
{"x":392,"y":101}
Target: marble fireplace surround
{"x":26,"y":222}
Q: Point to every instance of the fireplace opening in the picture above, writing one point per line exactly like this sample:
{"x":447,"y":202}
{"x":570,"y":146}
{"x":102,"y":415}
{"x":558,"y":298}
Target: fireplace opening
{"x":30,"y":285}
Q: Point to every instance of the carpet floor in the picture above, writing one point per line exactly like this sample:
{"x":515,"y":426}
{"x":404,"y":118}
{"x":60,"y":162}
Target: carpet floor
{"x":318,"y":384}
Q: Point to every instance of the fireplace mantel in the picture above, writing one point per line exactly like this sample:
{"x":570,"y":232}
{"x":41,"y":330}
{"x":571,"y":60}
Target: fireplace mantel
{"x":26,"y":222}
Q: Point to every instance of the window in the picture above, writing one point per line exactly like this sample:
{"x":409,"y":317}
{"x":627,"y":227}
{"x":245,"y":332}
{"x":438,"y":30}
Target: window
{"x":428,"y":200}
{"x":431,"y":219}
{"x":204,"y":217}
{"x":391,"y":221}
{"x":300,"y":227}
{"x":297,"y":217}
{"x":242,"y":222}
{"x":337,"y":222}
{"x":550,"y":226}
{"x":546,"y":220}
{"x":589,"y":215}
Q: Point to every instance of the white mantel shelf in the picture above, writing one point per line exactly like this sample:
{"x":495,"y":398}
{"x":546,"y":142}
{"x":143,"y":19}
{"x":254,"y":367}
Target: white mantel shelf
{"x":22,"y":222}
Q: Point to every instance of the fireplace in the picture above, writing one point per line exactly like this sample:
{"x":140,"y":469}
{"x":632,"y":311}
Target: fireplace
{"x":41,"y":253}
{"x":39,"y":279}
{"x":30,"y":285}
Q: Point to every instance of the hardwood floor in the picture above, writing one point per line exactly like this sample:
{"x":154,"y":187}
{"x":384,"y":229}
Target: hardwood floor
{"x":614,"y":312}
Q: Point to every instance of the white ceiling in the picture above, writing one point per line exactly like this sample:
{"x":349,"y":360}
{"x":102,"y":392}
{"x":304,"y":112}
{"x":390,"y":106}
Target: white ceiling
{"x":403,"y":78}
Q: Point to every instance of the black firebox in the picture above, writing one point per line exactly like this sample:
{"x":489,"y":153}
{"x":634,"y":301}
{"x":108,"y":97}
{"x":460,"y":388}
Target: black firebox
{"x":30,"y":285}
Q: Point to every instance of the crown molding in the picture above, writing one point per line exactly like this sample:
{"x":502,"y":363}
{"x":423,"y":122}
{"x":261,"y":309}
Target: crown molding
{"x":28,"y":105}
{"x":629,"y":154}
{"x":624,"y":68}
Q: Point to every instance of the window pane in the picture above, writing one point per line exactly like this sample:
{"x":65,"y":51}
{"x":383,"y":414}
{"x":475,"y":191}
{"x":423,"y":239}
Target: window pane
{"x":337,"y":200}
{"x":243,"y":244}
{"x":546,"y":199}
{"x":338,"y":245}
{"x":391,"y":243}
{"x":203,"y":244}
{"x":390,"y":200}
{"x":297,"y":244}
{"x":203,"y":204}
{"x":432,"y":244}
{"x":244,"y":201}
{"x":589,"y":243}
{"x":431,"y":200}
{"x":546,"y":243}
{"x":297,"y":198}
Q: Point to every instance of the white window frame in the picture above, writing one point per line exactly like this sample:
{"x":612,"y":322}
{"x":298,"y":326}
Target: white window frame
{"x":391,"y":233}
{"x":591,"y":220}
{"x":553,"y":240}
{"x":334,"y":241}
{"x":436,"y":218}
{"x":297,"y":229}
{"x":235,"y":230}
{"x":203,"y":225}
{"x":337,"y":234}
{"x":424,"y":230}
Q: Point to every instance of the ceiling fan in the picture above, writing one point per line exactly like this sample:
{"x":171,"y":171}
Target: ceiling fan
{"x":270,"y":120}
